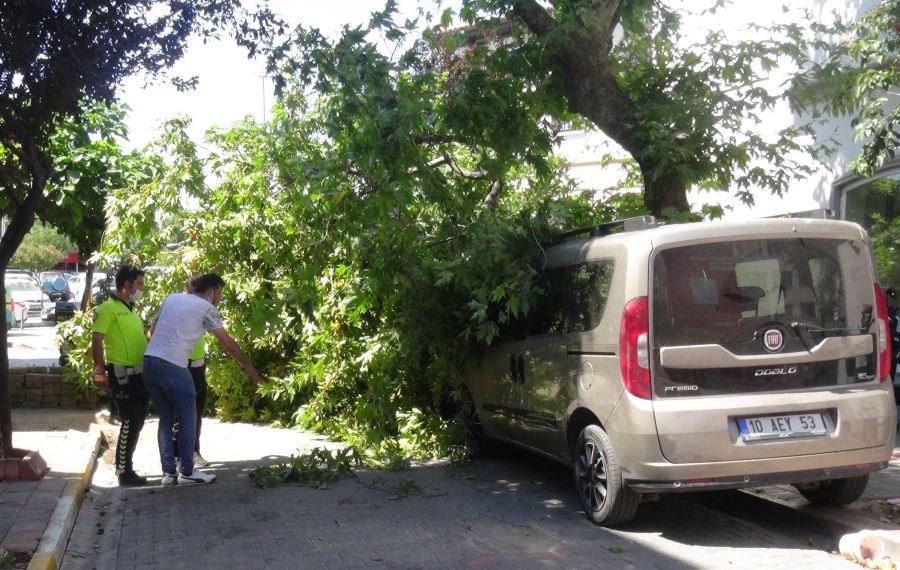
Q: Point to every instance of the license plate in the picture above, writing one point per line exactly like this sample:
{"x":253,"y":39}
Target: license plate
{"x":782,"y":427}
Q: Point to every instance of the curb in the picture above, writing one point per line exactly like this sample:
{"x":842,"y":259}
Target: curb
{"x":53,"y":542}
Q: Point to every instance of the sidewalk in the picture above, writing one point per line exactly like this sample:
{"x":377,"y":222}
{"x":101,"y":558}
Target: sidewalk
{"x":28,"y":508}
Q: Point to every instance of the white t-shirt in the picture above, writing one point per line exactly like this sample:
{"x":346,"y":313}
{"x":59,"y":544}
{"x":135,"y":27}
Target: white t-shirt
{"x":182,"y":320}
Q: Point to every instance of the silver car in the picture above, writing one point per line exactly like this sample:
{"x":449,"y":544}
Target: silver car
{"x":27,"y":296}
{"x":699,"y":356}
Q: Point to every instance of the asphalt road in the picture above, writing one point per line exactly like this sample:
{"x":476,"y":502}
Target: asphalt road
{"x":33,"y":345}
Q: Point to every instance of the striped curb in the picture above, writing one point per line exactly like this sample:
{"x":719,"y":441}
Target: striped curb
{"x":50,"y":550}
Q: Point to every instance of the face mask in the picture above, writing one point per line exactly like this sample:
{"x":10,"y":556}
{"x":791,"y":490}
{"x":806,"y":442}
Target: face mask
{"x":138,"y":293}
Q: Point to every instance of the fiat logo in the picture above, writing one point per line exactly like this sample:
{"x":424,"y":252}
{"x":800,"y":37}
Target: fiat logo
{"x":773,"y":340}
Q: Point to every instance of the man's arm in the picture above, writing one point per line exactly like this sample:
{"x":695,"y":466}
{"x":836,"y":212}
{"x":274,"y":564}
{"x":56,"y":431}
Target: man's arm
{"x":99,"y":362}
{"x":231,"y":347}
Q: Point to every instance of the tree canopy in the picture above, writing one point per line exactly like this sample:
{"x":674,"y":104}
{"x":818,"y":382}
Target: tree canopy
{"x":55,"y":59}
{"x":41,"y":249}
{"x":855,"y":74}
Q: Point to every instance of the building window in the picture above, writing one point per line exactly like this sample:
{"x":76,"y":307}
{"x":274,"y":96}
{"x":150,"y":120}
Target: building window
{"x":874,"y":200}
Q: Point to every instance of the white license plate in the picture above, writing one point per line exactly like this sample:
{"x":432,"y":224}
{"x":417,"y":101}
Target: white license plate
{"x":782,"y":427}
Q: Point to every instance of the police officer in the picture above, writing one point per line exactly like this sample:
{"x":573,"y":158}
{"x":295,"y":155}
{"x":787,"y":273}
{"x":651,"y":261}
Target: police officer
{"x":117,"y":346}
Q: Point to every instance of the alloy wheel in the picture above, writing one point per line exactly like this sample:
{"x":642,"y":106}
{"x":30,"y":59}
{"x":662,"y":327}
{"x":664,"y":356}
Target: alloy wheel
{"x":592,"y":476}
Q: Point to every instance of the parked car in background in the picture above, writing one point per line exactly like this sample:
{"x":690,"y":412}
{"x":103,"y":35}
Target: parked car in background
{"x":28,"y":298}
{"x":24,"y":274}
{"x":56,"y":285}
{"x":77,"y":284}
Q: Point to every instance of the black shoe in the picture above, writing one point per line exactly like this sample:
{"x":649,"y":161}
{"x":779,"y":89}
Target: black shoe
{"x":131,"y":479}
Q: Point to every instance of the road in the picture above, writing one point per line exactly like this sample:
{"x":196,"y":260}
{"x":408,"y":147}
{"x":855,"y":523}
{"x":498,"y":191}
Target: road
{"x":33,"y":345}
{"x":507,"y":511}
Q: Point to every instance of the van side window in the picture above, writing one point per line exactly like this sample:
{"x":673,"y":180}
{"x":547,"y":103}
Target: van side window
{"x":549,"y":316}
{"x":574,"y":299}
{"x":590,"y":285}
{"x":513,"y":329}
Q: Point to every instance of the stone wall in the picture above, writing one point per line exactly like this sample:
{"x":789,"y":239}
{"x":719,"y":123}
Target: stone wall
{"x":46,"y":387}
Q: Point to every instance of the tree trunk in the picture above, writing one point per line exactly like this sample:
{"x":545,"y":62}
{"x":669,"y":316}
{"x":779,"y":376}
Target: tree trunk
{"x":666,"y":191}
{"x":592,"y":91}
{"x":86,"y":296}
{"x":19,"y":225}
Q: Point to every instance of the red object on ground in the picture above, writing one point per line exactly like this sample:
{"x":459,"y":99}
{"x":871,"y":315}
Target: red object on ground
{"x":23,"y":465}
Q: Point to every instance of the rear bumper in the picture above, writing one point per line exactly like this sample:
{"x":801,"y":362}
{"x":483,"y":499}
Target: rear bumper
{"x":688,"y":478}
{"x":702,"y":449}
{"x":33,"y":309}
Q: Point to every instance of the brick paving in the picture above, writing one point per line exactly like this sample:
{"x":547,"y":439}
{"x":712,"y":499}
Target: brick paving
{"x":511,"y":511}
{"x":25,"y":506}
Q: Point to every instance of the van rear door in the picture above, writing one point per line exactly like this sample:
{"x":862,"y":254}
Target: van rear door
{"x":760,"y":319}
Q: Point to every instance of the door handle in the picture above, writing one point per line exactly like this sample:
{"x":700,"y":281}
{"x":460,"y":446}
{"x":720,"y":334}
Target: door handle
{"x":517,"y":368}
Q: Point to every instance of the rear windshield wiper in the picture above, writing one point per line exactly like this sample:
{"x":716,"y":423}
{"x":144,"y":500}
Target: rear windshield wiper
{"x":796,"y":325}
{"x":799,"y":327}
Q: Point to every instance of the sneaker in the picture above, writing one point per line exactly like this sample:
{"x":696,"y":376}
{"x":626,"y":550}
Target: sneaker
{"x":196,"y":478}
{"x":131,"y":479}
{"x":169,"y":479}
{"x":199,"y":461}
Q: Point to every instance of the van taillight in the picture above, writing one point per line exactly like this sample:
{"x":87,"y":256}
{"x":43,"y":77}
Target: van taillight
{"x":634,"y":348}
{"x":884,"y":335}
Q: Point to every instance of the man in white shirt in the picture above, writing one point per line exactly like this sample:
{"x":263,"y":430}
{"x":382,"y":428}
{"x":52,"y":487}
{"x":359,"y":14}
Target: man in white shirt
{"x":183,"y":318}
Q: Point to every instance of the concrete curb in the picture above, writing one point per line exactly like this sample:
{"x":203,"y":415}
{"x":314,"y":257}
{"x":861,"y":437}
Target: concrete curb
{"x":53,"y":542}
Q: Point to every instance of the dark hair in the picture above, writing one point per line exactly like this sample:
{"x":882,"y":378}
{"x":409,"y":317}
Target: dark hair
{"x":207,"y":281}
{"x":125,"y":274}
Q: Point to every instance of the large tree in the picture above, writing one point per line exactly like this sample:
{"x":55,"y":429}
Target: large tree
{"x":688,"y":113}
{"x":54,"y":56}
{"x":368,"y":232}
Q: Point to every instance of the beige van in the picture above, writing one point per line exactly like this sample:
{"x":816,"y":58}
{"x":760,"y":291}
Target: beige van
{"x":698,"y":356}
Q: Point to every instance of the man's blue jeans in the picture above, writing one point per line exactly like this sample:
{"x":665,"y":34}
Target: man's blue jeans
{"x":173,"y":393}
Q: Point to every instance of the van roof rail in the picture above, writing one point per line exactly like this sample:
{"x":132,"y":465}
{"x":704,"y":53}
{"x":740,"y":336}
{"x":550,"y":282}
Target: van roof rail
{"x":627,"y":225}
{"x":818,"y":213}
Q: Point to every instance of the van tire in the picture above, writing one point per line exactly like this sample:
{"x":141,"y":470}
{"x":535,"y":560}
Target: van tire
{"x":834,"y":492}
{"x":605,"y":497}
{"x":468,"y":415}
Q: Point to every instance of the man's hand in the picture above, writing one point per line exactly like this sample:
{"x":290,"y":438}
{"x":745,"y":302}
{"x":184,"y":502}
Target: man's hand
{"x":252,"y":374}
{"x":101,"y":378}
{"x":232,"y":348}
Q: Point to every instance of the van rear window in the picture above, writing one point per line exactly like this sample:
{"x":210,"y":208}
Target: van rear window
{"x":725,"y":292}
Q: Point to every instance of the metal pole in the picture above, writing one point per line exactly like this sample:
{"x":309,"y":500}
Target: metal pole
{"x":263,"y":77}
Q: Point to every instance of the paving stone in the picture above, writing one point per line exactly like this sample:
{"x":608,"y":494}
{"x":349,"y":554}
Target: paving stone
{"x":21,"y":540}
{"x":506,"y":512}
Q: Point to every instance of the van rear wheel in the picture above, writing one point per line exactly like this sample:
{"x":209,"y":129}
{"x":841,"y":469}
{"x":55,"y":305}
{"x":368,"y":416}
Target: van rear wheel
{"x":598,"y":480}
{"x":834,"y":492}
{"x":468,"y":415}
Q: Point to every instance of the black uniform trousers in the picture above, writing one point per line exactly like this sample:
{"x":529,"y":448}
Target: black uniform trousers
{"x":133,"y":400}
